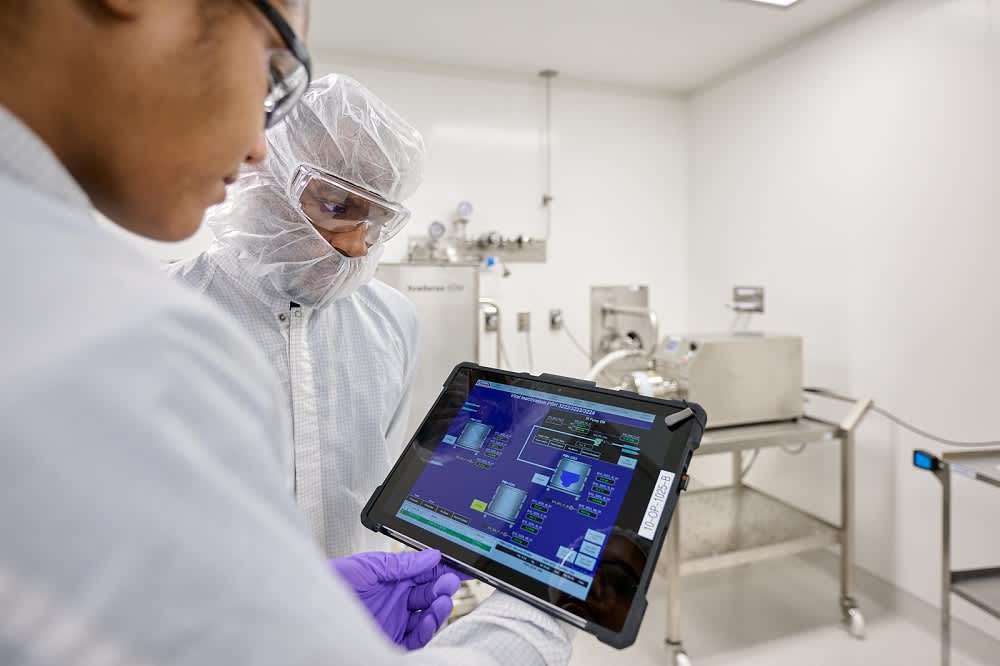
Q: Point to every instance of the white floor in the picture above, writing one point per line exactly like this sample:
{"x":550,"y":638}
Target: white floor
{"x":786,"y":613}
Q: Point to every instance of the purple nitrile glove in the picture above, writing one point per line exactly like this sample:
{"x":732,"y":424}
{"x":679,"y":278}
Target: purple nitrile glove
{"x":408,"y":594}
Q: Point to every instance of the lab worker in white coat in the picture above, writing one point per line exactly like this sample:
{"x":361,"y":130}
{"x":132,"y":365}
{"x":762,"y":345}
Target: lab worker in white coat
{"x":143,"y":514}
{"x":297,"y":243}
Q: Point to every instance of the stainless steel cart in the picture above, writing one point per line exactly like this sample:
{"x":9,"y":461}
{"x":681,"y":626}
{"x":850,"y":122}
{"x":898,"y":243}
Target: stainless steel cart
{"x":738,"y":524}
{"x":980,"y":587}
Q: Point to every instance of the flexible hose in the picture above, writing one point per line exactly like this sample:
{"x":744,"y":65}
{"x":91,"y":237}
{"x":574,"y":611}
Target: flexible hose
{"x":610,"y":359}
{"x":826,"y":393}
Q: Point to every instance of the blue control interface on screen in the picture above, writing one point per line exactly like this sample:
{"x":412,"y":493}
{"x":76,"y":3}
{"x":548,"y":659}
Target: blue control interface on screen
{"x":541,"y":483}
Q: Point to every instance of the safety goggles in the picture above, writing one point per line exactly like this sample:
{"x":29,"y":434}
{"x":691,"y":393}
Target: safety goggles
{"x":289,"y":70}
{"x":336,"y":205}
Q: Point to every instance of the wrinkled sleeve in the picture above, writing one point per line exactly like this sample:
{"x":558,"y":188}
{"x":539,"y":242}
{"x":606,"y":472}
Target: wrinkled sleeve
{"x":501,"y":632}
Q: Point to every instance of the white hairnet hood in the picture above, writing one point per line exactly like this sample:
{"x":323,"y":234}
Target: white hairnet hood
{"x":340,"y":127}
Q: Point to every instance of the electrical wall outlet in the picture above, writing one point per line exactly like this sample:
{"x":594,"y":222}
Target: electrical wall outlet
{"x":555,"y":319}
{"x":748,"y":299}
{"x":523,"y":322}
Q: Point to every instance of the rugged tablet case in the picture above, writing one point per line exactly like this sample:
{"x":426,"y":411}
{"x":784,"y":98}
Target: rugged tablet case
{"x":630,"y":630}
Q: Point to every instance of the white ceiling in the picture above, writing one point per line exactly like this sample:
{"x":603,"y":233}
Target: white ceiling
{"x":673,"y":45}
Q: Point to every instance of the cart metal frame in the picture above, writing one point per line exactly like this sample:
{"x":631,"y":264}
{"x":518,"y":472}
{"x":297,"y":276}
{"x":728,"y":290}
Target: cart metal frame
{"x":980,"y":587}
{"x":743,"y":525}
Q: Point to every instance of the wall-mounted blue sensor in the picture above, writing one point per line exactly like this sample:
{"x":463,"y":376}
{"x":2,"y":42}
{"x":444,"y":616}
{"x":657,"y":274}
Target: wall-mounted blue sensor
{"x":924,"y":460}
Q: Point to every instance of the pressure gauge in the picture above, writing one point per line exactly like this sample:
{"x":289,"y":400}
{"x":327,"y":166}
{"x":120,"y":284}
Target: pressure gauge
{"x":464,"y":209}
{"x":437,"y":230}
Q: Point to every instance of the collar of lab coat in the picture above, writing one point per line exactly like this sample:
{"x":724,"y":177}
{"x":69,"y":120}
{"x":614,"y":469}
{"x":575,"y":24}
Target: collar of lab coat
{"x":228,"y":260}
{"x":27,"y":159}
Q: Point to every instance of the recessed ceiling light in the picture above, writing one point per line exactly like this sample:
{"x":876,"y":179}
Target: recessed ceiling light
{"x":777,"y":3}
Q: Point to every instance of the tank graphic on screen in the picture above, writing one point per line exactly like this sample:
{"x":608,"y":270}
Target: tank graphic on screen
{"x":506,"y":503}
{"x":570,"y":476}
{"x":473,"y":436}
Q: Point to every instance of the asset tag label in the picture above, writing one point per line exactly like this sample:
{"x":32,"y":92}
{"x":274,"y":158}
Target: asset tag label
{"x":657,"y":501}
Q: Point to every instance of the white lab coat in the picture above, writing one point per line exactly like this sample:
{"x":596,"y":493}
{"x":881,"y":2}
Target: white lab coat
{"x":347,"y":370}
{"x":143,"y":519}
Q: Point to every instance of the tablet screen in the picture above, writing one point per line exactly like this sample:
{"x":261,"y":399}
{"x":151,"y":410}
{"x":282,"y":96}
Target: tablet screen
{"x":549,"y":474}
{"x":556,"y":489}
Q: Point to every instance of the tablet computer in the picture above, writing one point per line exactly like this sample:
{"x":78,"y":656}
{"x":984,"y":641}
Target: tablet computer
{"x":548,"y":488}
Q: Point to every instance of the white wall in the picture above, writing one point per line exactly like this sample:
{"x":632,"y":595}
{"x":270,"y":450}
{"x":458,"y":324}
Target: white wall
{"x":619,"y":181}
{"x":856,"y":177}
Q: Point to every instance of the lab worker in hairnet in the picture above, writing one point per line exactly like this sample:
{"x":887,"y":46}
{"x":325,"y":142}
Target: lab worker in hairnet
{"x":145,"y":518}
{"x":298,"y":241}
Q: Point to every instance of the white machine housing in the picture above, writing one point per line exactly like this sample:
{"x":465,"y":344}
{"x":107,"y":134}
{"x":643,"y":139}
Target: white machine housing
{"x":739,"y":378}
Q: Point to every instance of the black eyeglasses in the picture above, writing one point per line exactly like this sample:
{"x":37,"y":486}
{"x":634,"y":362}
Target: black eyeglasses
{"x":289,"y":69}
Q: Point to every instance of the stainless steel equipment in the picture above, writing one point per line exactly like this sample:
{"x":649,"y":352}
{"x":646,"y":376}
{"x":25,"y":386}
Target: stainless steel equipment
{"x":739,"y":524}
{"x":739,"y":378}
{"x":620,"y":318}
{"x":447,"y":302}
{"x":979,"y":587}
{"x":509,"y":249}
{"x":442,"y":245}
{"x":750,"y":384}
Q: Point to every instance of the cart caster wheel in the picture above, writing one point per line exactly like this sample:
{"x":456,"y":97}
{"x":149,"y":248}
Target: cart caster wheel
{"x":855,"y":623}
{"x":681,"y":659}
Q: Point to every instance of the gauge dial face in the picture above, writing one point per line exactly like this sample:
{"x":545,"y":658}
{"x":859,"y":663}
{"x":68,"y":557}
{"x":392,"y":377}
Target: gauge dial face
{"x":464,"y":209}
{"x":436,"y":230}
